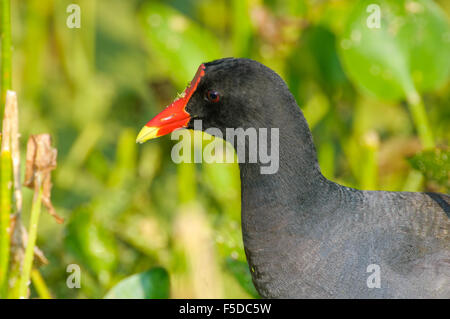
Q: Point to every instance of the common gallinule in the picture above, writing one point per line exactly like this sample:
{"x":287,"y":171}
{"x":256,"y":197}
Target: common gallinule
{"x":306,"y":236}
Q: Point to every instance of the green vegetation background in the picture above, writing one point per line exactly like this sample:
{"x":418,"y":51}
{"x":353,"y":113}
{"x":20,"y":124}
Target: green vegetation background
{"x":128,"y":207}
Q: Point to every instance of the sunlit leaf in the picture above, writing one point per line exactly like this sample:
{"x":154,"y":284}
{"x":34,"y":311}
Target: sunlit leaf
{"x":392,"y":61}
{"x":152,"y":284}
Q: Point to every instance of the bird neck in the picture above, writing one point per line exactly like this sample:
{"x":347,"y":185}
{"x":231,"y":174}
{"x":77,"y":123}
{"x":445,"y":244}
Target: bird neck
{"x":275,"y":208}
{"x":298,"y":187}
{"x":297,"y":171}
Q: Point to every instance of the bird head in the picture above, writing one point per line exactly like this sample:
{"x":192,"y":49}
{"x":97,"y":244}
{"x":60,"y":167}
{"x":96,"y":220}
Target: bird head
{"x":225,"y":93}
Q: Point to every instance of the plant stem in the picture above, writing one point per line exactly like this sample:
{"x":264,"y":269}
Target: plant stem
{"x":414,"y":181}
{"x":5,"y":19}
{"x":186,"y":171}
{"x":6,"y":184}
{"x":32,"y":234}
{"x":5,"y":210}
{"x":5,"y":165}
{"x":420,"y":119}
{"x":370,"y":168}
{"x":16,"y":242}
{"x":39,"y":284}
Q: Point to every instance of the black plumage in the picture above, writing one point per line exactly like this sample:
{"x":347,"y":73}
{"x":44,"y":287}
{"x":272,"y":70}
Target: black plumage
{"x":304,"y":235}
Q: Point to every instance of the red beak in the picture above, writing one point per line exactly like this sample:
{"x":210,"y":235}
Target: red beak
{"x":174,"y":116}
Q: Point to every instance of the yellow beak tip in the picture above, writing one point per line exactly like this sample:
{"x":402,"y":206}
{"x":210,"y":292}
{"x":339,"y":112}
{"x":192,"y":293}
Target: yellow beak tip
{"x":147,"y":133}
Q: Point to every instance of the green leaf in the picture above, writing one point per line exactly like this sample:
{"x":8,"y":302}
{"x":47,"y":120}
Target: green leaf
{"x":434,"y":165}
{"x":241,"y":26}
{"x":315,"y":58}
{"x":180,"y":44}
{"x":240,"y":271}
{"x":152,"y":284}
{"x":408,"y":53}
{"x":91,"y":243}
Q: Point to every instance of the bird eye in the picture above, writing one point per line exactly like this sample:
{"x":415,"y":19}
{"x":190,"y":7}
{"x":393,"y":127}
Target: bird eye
{"x":213,"y":96}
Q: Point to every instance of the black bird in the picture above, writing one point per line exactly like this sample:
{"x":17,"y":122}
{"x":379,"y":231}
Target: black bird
{"x":306,"y":236}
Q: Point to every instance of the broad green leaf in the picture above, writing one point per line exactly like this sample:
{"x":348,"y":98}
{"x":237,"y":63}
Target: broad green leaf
{"x":152,"y":284}
{"x":408,"y":53}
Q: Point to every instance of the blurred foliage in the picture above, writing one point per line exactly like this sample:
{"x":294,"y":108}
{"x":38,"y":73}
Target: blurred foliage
{"x":152,"y":284}
{"x":394,"y":61}
{"x":129,"y":209}
{"x":435,"y":165}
